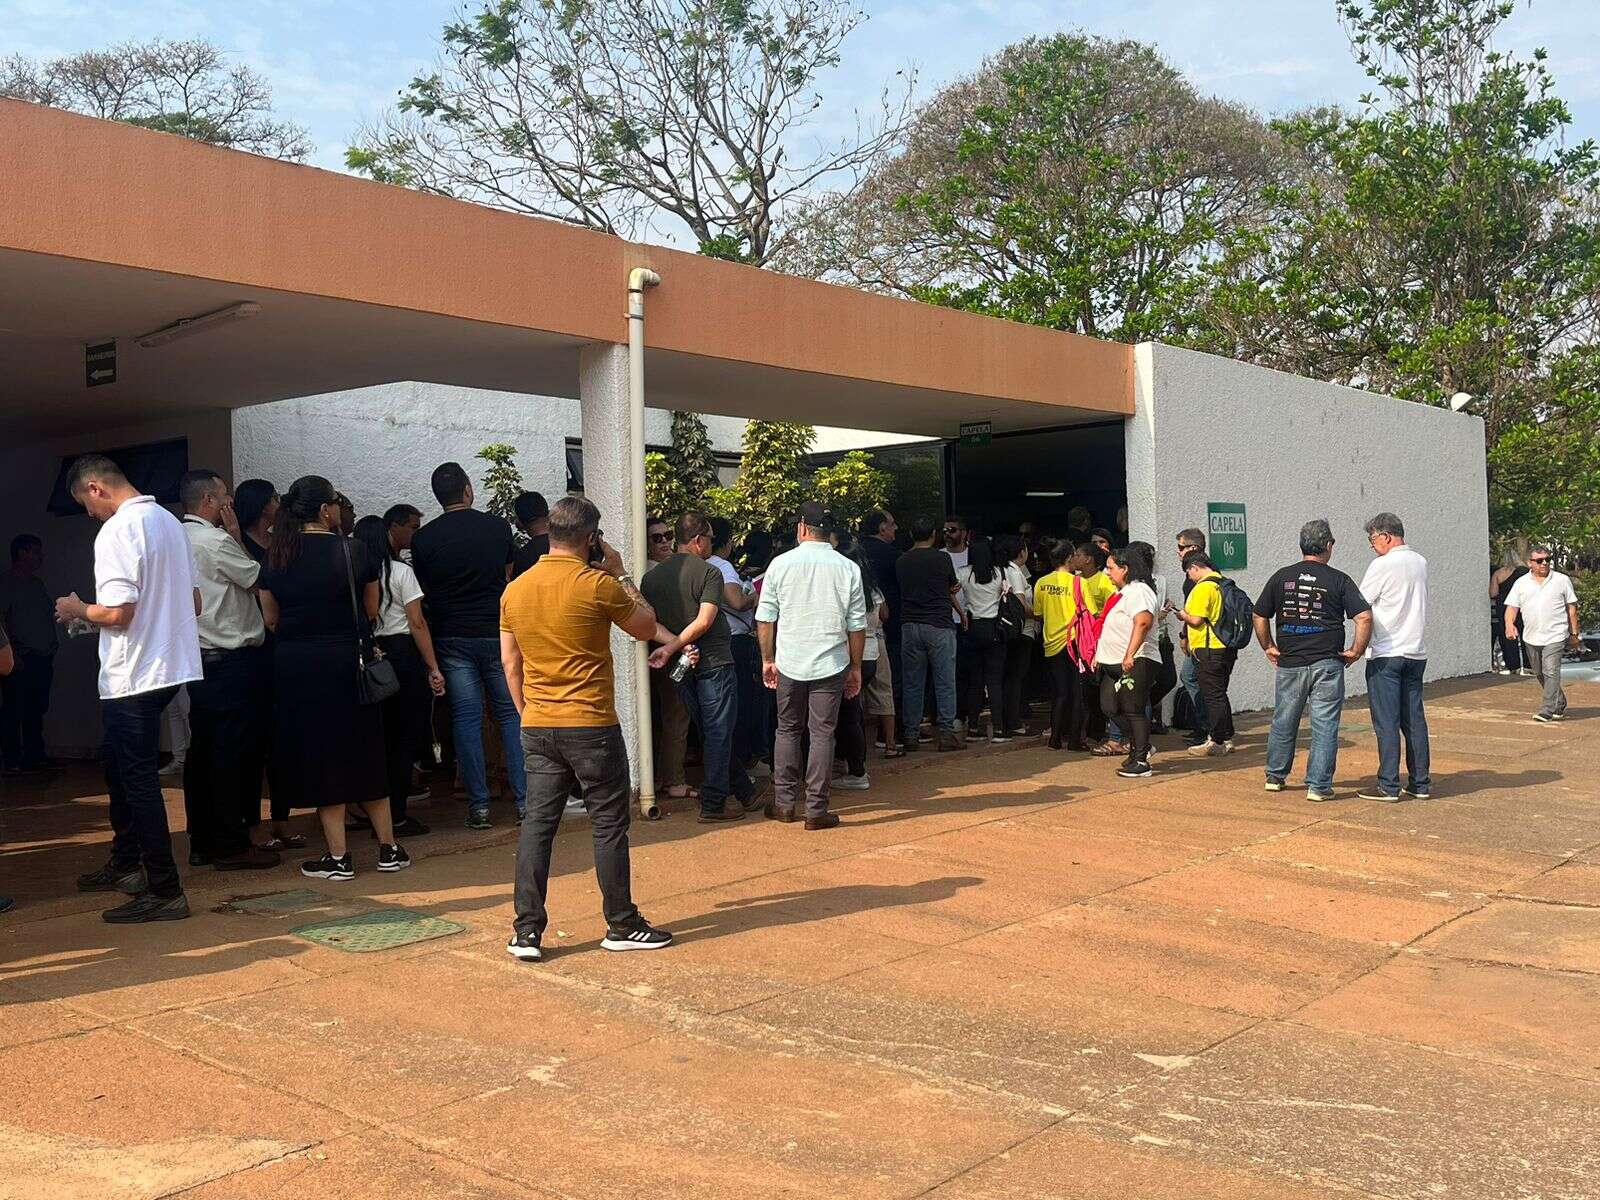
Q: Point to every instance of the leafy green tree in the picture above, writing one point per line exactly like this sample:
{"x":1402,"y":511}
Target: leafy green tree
{"x":851,"y":487}
{"x":691,"y":455}
{"x":772,"y":476}
{"x":1073,"y":182}
{"x":620,"y":114}
{"x":1441,"y":238}
{"x":502,"y":483}
{"x":188,"y":88}
{"x":664,"y":493}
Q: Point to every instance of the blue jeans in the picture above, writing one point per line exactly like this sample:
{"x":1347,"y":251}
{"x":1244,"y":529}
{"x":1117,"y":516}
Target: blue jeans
{"x":1394,"y":695}
{"x":1322,"y":686}
{"x":471,"y":669}
{"x":1190,"y":682}
{"x":712,"y":698}
{"x":922,"y":646}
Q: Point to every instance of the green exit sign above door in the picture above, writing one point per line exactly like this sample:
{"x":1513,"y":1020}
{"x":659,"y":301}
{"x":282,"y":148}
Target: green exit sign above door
{"x":1227,"y":536}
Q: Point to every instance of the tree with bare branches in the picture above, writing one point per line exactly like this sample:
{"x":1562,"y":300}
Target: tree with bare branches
{"x":188,"y":88}
{"x":619,"y":114}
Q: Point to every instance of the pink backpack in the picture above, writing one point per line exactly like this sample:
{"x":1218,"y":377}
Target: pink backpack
{"x":1086,"y":626}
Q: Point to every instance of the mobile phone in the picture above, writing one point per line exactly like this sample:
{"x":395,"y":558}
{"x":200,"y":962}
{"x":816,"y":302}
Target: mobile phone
{"x":597,"y":550}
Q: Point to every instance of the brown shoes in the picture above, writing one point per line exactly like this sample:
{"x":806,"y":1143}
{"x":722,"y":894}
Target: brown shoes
{"x":948,"y":741}
{"x":774,"y":813}
{"x":825,"y":821}
{"x":726,"y":813}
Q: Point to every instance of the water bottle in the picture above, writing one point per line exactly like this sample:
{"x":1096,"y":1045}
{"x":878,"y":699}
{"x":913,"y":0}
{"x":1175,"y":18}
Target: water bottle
{"x":680,"y":667}
{"x":78,"y":627}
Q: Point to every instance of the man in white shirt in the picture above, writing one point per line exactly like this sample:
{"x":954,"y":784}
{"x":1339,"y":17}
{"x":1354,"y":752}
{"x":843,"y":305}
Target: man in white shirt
{"x":1548,"y":605}
{"x":812,"y":626}
{"x":227,"y":710}
{"x":147,"y":598}
{"x":1396,"y":585}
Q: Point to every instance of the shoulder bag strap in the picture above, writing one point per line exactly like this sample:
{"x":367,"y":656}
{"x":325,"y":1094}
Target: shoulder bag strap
{"x":355,"y":608}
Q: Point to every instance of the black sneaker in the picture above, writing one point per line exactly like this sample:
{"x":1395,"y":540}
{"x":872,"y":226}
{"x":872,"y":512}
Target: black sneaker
{"x":524,"y":948}
{"x":1133,"y":768}
{"x":478,"y":820}
{"x":641,"y":937}
{"x":410,"y":827}
{"x":393,"y":858}
{"x":147,"y":907}
{"x":328,"y":867}
{"x":200,"y":860}
{"x":112,"y":878}
{"x":1375,"y":794}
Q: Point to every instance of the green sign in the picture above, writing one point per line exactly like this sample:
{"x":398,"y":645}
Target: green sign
{"x":976,"y":433}
{"x":1227,"y":538}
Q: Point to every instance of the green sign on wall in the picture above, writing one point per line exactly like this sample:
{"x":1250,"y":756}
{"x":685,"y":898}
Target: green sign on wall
{"x":1227,"y":537}
{"x":976,"y":433}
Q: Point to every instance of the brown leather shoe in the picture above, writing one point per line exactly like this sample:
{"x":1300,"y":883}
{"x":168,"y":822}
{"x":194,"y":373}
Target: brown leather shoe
{"x":774,"y":813}
{"x":825,"y":821}
{"x":725,"y":813}
{"x":757,"y":799}
{"x":948,"y":741}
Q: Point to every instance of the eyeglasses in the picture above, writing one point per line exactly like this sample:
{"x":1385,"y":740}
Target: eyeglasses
{"x":952,"y":529}
{"x":1185,"y":547}
{"x":660,"y":537}
{"x":1539,"y":562}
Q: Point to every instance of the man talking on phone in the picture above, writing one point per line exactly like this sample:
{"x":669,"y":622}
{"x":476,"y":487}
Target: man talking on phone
{"x":555,"y":649}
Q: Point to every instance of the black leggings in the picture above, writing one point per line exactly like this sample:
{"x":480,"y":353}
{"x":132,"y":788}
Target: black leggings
{"x":1510,"y":650}
{"x":850,"y":739}
{"x":405,"y":715}
{"x":1019,"y":656}
{"x":1127,"y":706}
{"x":987,"y":655}
{"x":1066,"y":703}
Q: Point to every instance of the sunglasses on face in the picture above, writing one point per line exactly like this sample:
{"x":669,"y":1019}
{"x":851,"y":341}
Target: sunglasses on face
{"x":660,"y":537}
{"x":952,"y":529}
{"x":1539,"y":562}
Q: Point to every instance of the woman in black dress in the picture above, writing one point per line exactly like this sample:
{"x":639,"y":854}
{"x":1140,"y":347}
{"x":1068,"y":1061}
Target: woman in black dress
{"x":327,"y":746}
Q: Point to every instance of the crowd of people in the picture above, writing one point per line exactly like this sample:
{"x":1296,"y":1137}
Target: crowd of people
{"x":313,"y":647}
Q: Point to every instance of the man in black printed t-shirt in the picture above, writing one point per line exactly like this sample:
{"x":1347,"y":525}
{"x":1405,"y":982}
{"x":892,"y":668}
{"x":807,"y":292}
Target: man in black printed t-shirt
{"x":1310,"y":601}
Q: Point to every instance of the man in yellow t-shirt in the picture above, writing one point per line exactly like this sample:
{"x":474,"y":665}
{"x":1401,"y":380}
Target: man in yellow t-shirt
{"x":1213,"y":662}
{"x":555,"y":648}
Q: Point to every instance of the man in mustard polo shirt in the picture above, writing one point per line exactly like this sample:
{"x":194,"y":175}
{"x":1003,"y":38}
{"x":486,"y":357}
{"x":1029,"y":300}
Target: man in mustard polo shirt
{"x":555,"y":648}
{"x":1213,"y":662}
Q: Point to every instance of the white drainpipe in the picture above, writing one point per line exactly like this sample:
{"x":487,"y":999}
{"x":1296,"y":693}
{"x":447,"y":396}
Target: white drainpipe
{"x":638,"y":279}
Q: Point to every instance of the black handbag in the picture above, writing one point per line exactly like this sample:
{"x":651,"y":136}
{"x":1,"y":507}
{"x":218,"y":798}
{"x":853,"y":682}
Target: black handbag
{"x":376,"y":678}
{"x":1011,"y":618}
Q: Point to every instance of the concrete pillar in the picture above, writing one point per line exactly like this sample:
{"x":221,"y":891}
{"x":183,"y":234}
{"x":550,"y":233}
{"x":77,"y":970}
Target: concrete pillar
{"x":607,"y":457}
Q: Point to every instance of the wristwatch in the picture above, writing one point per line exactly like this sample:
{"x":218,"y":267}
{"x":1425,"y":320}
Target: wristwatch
{"x":625,"y":578}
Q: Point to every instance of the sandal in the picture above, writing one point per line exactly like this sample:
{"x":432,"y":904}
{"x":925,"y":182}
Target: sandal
{"x":291,"y":841}
{"x":893,"y":752}
{"x":682,"y":792}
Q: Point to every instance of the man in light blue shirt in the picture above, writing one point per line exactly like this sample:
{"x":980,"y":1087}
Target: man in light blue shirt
{"x":811,"y":622}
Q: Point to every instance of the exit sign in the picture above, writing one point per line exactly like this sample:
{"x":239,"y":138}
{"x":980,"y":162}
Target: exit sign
{"x":1227,"y":536}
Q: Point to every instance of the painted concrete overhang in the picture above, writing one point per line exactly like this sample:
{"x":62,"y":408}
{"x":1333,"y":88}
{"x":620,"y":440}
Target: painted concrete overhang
{"x":110,"y":231}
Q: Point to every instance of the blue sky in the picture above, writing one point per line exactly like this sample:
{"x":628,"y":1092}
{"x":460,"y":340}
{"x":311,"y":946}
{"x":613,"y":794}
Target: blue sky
{"x":334,"y":63}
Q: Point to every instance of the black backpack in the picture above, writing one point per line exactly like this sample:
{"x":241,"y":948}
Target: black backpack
{"x":1236,"y":626}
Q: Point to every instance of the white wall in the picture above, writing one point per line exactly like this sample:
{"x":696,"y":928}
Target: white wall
{"x":27,"y":474}
{"x":1207,"y":429}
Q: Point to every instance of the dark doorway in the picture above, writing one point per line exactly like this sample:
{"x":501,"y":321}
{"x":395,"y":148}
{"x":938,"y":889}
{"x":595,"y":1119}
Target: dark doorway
{"x":1041,"y":476}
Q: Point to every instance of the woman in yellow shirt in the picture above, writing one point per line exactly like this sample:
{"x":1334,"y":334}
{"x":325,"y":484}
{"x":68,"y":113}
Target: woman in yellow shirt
{"x":1055,"y":604}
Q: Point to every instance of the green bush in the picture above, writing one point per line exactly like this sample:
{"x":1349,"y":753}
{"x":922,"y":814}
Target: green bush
{"x":1587,"y":584}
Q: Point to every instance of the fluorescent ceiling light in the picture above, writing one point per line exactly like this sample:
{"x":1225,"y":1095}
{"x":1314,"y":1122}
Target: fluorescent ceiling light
{"x":189,"y":326}
{"x":1047,"y":495}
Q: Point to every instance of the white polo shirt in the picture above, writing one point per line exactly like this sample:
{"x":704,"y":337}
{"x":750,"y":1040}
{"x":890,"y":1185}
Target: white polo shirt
{"x":1543,"y":607}
{"x":1396,"y":585}
{"x":142,"y":558}
{"x":814,"y":594}
{"x":230,"y":618}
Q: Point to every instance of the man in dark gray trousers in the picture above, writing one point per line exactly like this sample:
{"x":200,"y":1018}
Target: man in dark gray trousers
{"x":812,"y":625}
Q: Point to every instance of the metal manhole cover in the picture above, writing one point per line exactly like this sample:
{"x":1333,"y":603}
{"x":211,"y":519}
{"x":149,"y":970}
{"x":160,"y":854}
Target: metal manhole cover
{"x":383,"y":929}
{"x":276,"y":903}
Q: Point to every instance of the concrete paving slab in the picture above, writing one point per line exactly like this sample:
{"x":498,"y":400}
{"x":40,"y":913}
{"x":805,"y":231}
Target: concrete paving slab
{"x":1025,"y":1033}
{"x":118,"y":1106}
{"x":1166,"y":812}
{"x":1520,"y":1016}
{"x":1559,"y":936}
{"x":1401,"y":856}
{"x":1570,"y":883}
{"x":1517,"y":824}
{"x":735,"y":1116}
{"x":361,"y":1166}
{"x":1212,"y":961}
{"x":1081,"y":864}
{"x":1304,"y":898}
{"x":25,"y":1018}
{"x":1090,"y":1162}
{"x":1384,"y":1118}
{"x":409,"y":1035}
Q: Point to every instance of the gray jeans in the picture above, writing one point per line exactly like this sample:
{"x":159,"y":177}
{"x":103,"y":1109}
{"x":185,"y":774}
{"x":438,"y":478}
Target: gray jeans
{"x":1546,"y":664}
{"x":555,"y":760}
{"x":805,"y":705}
